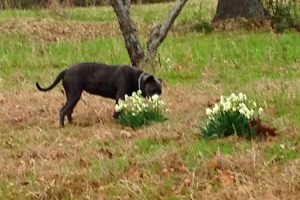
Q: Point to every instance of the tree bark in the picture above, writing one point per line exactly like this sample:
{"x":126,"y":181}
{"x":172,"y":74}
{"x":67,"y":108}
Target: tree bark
{"x":157,"y":36}
{"x":133,"y":46}
{"x":249,"y":9}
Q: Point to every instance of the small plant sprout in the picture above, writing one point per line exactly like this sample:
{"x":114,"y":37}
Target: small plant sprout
{"x":136,"y":111}
{"x":232,"y":115}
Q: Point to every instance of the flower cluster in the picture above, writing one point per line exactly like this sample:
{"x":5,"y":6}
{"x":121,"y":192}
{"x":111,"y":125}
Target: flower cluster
{"x":136,"y":111}
{"x":137,"y":104}
{"x":232,"y":114}
{"x":235,"y":103}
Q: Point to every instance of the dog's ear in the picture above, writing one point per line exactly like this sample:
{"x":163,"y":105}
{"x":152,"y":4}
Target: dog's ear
{"x":148,"y":78}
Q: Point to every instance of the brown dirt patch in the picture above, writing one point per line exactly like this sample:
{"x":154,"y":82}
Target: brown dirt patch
{"x":53,"y":31}
{"x":29,"y":108}
{"x":34,"y":108}
{"x":241,"y":24}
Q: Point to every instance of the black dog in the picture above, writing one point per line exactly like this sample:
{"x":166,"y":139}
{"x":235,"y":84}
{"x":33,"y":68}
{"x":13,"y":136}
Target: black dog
{"x":104,"y":80}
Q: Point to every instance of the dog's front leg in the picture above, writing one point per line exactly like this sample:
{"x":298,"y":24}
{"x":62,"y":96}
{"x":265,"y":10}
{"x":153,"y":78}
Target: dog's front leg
{"x":116,"y":114}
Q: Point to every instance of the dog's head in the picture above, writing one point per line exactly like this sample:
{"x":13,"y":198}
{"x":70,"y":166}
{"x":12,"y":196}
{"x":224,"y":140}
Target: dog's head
{"x":150,"y":86}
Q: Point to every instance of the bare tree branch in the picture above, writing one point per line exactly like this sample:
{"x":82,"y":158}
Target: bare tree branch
{"x":159,"y":32}
{"x":157,"y":36}
{"x":133,"y":46}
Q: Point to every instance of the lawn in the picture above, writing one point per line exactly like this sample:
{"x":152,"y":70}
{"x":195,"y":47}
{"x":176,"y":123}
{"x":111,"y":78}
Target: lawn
{"x":96,"y":158}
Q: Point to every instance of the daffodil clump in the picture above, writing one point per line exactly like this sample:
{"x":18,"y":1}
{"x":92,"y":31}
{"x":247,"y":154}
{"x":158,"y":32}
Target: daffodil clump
{"x":137,"y":111}
{"x":232,"y":115}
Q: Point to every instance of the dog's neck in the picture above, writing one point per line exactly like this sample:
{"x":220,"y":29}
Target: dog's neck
{"x":140,"y":79}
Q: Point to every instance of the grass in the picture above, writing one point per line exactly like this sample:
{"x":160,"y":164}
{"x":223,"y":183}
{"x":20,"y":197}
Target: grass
{"x":281,"y":152}
{"x":141,"y":14}
{"x":205,"y":150}
{"x":97,"y":159}
{"x":34,"y":59}
{"x":258,"y":51}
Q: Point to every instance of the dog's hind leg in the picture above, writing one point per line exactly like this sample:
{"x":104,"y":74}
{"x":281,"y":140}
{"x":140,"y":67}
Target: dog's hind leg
{"x":71,"y":109}
{"x":68,"y":108}
{"x":69,"y":116}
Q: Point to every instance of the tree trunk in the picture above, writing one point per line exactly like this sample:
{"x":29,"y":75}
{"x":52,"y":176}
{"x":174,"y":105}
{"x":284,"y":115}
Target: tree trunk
{"x":133,"y":46}
{"x":249,"y":9}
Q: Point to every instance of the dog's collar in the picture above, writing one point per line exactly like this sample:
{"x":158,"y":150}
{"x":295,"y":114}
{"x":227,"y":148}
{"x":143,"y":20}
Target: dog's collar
{"x":140,"y":79}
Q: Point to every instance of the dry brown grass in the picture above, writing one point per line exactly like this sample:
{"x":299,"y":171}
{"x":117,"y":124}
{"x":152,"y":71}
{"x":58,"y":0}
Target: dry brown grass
{"x":53,"y":31}
{"x":39,"y":160}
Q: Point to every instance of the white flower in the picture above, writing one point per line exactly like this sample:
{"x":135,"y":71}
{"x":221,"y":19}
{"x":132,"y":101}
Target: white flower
{"x":242,"y":97}
{"x":232,"y":96}
{"x":208,"y":111}
{"x":222,"y":99}
{"x":136,"y":104}
{"x":243,"y":106}
{"x":215,"y":109}
{"x":117,"y":108}
{"x":126,"y":97}
{"x":260,"y":110}
{"x":242,"y":111}
{"x":251,"y":112}
{"x":227,"y":106}
{"x":155,"y":97}
{"x":234,"y":103}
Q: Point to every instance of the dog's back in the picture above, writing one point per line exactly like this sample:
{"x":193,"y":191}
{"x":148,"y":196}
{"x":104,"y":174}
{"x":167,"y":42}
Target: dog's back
{"x":99,"y":79}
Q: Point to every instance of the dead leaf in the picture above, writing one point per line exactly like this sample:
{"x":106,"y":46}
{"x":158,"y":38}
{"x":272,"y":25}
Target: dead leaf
{"x":164,"y":171}
{"x":212,"y":164}
{"x":225,"y":177}
{"x":82,"y":163}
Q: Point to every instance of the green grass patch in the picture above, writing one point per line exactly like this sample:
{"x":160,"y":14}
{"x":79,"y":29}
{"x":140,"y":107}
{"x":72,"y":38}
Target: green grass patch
{"x":152,"y":145}
{"x":148,"y":145}
{"x":204,"y":149}
{"x":25,"y":60}
{"x":141,"y":119}
{"x":10,"y":192}
{"x":281,"y":152}
{"x":10,"y":14}
{"x":287,"y":106}
{"x":107,"y":170}
{"x":254,"y":56}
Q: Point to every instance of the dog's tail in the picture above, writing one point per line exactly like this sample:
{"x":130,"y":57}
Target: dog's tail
{"x":56,"y":81}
